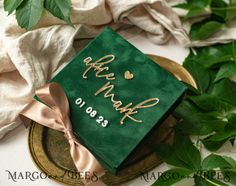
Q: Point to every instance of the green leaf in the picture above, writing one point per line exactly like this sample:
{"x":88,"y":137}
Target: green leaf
{"x":215,"y":161}
{"x":205,"y":181}
{"x":172,"y":176}
{"x":195,"y":122}
{"x":29,"y":13}
{"x":220,"y":136}
{"x":195,"y":8}
{"x":183,"y":6}
{"x":168,"y":155}
{"x":187,"y":152}
{"x":226,"y":90}
{"x":213,"y":145}
{"x":199,"y":73}
{"x":227,"y":70}
{"x":60,"y":9}
{"x":194,"y":12}
{"x":204,"y":127}
{"x":231,"y":175}
{"x":182,"y":154}
{"x":199,"y":181}
{"x":207,"y":30}
{"x":199,"y":3}
{"x":226,"y":164}
{"x":218,"y":7}
{"x":217,"y":54}
{"x":231,"y":10}
{"x":210,"y":57}
{"x":231,"y":122}
{"x":211,"y":103}
{"x":11,"y":5}
{"x":230,"y":161}
{"x":193,"y":4}
{"x":214,"y":142}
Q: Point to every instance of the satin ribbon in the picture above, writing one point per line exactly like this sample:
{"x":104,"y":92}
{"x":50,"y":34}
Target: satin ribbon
{"x":54,"y":113}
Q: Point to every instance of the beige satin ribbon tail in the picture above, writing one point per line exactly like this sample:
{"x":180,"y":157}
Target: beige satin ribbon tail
{"x":53,"y":112}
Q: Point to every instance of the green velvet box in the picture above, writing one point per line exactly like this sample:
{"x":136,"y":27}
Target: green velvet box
{"x":117,"y":95}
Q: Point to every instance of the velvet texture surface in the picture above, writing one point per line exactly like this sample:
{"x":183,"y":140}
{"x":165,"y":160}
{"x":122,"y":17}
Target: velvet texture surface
{"x":114,"y":143}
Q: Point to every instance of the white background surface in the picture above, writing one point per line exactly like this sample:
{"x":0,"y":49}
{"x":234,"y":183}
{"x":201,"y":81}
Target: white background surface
{"x":14,"y":152}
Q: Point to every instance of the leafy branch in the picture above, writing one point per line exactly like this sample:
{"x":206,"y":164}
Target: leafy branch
{"x":29,"y":12}
{"x":211,"y":110}
{"x":215,"y":16}
{"x":208,"y":113}
{"x":213,"y":170}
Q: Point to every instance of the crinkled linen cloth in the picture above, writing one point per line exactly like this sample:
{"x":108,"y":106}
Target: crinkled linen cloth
{"x":29,"y":59}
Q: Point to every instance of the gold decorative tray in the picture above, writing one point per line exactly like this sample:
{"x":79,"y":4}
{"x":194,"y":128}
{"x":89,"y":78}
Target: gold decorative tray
{"x":50,"y":150}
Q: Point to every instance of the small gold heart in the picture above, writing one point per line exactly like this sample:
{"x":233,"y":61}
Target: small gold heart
{"x":128,"y":75}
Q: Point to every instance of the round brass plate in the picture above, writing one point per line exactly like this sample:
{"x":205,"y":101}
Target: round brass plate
{"x":50,"y":150}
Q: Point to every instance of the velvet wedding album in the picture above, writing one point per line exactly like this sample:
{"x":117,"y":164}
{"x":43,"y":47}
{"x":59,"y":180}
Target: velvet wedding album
{"x":117,"y":95}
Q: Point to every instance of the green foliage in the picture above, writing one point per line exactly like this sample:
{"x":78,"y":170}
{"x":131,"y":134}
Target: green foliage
{"x":219,"y":14}
{"x":196,"y":121}
{"x":182,"y":154}
{"x":185,"y":157}
{"x":11,"y":5}
{"x":231,"y":10}
{"x":226,"y":70}
{"x":194,"y":8}
{"x":29,"y":12}
{"x":209,"y":113}
{"x":205,"y":30}
{"x":60,"y":9}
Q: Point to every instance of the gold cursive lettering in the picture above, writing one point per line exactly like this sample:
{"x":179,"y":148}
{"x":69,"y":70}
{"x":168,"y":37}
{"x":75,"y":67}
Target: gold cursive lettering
{"x":127,"y":110}
{"x":143,"y":104}
{"x":99,"y":67}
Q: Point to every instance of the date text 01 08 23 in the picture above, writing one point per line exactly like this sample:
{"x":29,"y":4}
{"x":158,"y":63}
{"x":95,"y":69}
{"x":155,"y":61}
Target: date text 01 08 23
{"x":91,"y":112}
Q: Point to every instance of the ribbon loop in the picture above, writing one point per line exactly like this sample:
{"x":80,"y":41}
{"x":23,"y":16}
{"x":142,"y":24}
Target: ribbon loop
{"x":54,"y":113}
